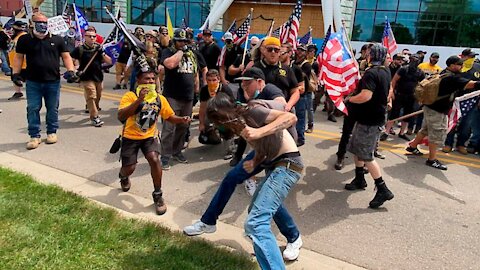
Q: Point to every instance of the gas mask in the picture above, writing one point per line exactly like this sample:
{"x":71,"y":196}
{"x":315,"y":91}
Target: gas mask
{"x":40,"y":29}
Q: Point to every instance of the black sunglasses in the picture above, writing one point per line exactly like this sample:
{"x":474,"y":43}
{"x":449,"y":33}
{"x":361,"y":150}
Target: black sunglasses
{"x":272,"y":49}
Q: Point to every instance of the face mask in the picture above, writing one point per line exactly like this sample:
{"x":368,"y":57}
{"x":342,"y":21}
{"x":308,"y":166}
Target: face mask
{"x":41,"y":27}
{"x":212,"y":87}
{"x":256,"y":94}
{"x":152,"y":93}
{"x":467,"y":64}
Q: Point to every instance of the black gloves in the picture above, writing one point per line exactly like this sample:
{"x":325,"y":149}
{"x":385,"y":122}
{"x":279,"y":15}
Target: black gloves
{"x":71,"y":77}
{"x":17,"y":79}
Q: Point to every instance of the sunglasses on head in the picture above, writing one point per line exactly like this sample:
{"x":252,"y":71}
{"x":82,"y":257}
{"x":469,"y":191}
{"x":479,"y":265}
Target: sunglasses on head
{"x":273,"y":49}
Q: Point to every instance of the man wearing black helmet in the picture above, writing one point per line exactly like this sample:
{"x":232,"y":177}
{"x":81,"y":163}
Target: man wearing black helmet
{"x":19,"y":29}
{"x":181,"y":68}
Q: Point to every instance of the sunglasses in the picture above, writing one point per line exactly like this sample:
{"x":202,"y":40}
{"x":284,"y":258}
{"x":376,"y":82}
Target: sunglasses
{"x":148,"y":36}
{"x":272,"y":49}
{"x":91,"y":36}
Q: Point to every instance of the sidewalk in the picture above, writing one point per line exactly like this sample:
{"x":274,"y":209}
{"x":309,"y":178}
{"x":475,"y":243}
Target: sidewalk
{"x":133,"y":206}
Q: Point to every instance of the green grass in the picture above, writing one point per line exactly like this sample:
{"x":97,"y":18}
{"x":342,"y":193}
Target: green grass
{"x":43,"y":227}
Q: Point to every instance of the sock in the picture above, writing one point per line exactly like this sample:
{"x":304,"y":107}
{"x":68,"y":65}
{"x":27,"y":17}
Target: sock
{"x":157,"y":189}
{"x":359,"y":173}
{"x":379,"y":181}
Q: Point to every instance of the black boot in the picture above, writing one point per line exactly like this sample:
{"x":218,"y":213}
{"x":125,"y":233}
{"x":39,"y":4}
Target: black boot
{"x":160,"y":206}
{"x":340,"y":163}
{"x":359,"y":181}
{"x":124,"y":182}
{"x":234,"y":161}
{"x":383,"y":195}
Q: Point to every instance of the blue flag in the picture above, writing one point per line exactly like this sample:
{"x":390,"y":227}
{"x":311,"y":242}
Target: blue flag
{"x":81,"y":22}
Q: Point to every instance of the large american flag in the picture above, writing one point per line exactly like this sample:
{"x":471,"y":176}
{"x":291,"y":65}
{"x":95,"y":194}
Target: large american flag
{"x":290,"y":29}
{"x":461,"y":106}
{"x":307,"y":38}
{"x":241,"y":33}
{"x":66,"y":14}
{"x":388,"y":39}
{"x":339,"y":72}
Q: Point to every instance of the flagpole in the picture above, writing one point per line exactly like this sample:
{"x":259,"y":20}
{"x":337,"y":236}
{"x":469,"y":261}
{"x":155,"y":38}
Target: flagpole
{"x":350,"y":48}
{"x":248,"y":35}
{"x":271,"y":28}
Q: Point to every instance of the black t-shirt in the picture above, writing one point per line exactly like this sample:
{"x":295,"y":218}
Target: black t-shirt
{"x":269,"y":92}
{"x":43,"y":57}
{"x":94,"y":71}
{"x":179,"y":82}
{"x":393,"y":69}
{"x":448,"y":85}
{"x":315,"y":67}
{"x":372,"y":113}
{"x":210,"y":53}
{"x":280,"y":75}
{"x":408,"y":80}
{"x":124,"y":53}
{"x":306,"y":69}
{"x":230,"y":56}
{"x":4,"y":40}
{"x":473,"y":73}
{"x":297,"y":71}
{"x":205,"y":94}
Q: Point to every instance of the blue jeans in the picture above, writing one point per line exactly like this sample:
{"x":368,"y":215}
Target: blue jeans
{"x":50,"y":92}
{"x":300,"y":110}
{"x":309,"y":107}
{"x":267,"y":199}
{"x":475,"y":125}
{"x":237,"y":176}
{"x":3,"y":57}
{"x":462,"y":131}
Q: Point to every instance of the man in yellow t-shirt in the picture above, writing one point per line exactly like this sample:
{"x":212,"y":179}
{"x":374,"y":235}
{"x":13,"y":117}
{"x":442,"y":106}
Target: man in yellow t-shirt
{"x":139,"y":111}
{"x":431,"y":67}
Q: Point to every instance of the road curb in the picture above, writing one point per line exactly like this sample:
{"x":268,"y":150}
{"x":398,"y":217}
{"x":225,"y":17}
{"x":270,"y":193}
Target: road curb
{"x":133,"y":206}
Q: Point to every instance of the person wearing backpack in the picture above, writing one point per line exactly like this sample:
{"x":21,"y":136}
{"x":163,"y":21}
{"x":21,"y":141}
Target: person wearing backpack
{"x":435,"y":114}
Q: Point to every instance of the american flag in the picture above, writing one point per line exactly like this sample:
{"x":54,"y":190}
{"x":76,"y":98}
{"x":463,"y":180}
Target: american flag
{"x":66,"y":14}
{"x":290,"y":30}
{"x":461,"y":107}
{"x":339,"y":72}
{"x":277,"y":32}
{"x":322,"y":49}
{"x":388,"y":39}
{"x":241,"y":33}
{"x":233,"y":26}
{"x":307,"y":38}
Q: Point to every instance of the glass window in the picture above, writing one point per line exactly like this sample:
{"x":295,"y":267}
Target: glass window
{"x":367,"y":4}
{"x":387,"y":5}
{"x":409,"y":5}
{"x":363,"y":26}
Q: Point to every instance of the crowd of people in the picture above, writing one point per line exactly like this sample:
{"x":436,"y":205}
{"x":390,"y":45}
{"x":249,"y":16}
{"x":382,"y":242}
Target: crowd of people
{"x":264,"y":96}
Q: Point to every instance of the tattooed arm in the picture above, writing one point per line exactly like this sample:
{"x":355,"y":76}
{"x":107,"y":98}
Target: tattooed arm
{"x":276,"y":121}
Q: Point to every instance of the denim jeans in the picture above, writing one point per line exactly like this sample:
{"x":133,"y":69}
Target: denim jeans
{"x":300,"y":110}
{"x":50,"y":92}
{"x":475,"y":125}
{"x":3,"y":57}
{"x":462,"y":131}
{"x":309,"y":107}
{"x":267,"y":199}
{"x":237,"y":176}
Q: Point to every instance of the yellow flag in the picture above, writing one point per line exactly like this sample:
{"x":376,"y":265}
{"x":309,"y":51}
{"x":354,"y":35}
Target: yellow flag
{"x":169,"y":25}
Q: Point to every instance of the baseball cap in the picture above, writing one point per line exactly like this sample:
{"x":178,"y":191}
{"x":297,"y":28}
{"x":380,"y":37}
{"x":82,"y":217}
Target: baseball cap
{"x":301,"y":46}
{"x":397,"y":57}
{"x":251,"y":74}
{"x":227,"y":36}
{"x":207,"y":32}
{"x":420,"y":51}
{"x":454,"y":60}
{"x":312,"y":46}
{"x":435,"y":55}
{"x":469,"y":52}
{"x":180,"y":35}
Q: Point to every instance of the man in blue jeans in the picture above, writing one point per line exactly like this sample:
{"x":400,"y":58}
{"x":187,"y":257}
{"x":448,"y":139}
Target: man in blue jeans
{"x":42,"y":52}
{"x":238,"y":175}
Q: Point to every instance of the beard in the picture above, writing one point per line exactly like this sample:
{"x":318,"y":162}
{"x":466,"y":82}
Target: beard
{"x":164,"y":41}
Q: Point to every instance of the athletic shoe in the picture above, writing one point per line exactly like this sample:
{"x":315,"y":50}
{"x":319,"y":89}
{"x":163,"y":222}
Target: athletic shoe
{"x":124,"y":86}
{"x":292,"y":250}
{"x":180,"y":158}
{"x":16,"y":95}
{"x":198,"y":228}
{"x":165,"y":163}
{"x":383,"y":137}
{"x":250,"y":186}
{"x":97,"y":122}
{"x":403,"y":136}
{"x":117,"y":87}
{"x":447,"y":149}
{"x":414,"y":150}
{"x":378,"y":155}
{"x":436,"y":164}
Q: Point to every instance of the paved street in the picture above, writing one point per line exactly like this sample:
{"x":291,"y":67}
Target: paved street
{"x":432,"y":223}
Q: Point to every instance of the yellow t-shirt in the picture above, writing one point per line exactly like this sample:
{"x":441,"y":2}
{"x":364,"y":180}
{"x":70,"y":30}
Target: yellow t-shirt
{"x":143,"y":125}
{"x":429,"y":69}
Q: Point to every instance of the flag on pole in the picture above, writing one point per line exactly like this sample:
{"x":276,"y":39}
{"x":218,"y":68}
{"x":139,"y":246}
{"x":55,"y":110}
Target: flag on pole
{"x":241,"y":34}
{"x":169,"y":24}
{"x":322,"y":49}
{"x":289,"y":32}
{"x":307,"y":38}
{"x":233,"y":26}
{"x":461,"y":106}
{"x":277,"y":32}
{"x":66,"y":14}
{"x":184,"y":24}
{"x":339,"y":73}
{"x":207,"y":25}
{"x":81,"y":23}
{"x":388,"y":39}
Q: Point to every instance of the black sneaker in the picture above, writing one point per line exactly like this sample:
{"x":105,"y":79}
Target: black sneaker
{"x":356,"y":184}
{"x":436,"y":164}
{"x":332,"y":118}
{"x":86,"y":109}
{"x":124,"y":86}
{"x":414,"y":150}
{"x":165,"y":163}
{"x":383,"y":137}
{"x":117,"y":87}
{"x":124,"y":183}
{"x":340,"y":163}
{"x":383,"y":194}
{"x":378,"y":155}
{"x":16,"y":95}
{"x":160,"y":206}
{"x":403,"y":136}
{"x":180,"y":158}
{"x":234,"y":161}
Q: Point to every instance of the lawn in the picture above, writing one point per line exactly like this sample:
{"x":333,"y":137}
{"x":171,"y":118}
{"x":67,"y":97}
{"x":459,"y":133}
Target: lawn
{"x":44,"y":227}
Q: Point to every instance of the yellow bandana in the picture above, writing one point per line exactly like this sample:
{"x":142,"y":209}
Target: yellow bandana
{"x":468,"y":64}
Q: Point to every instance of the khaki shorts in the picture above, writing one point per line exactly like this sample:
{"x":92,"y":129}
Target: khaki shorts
{"x":434,"y":126}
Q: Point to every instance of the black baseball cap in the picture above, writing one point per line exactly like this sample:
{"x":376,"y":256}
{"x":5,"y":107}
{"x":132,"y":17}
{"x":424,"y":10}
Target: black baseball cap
{"x":397,"y":57}
{"x":468,"y":52}
{"x":435,"y":55}
{"x":454,"y":60}
{"x":420,"y":51}
{"x":207,"y":32}
{"x":252,"y":73}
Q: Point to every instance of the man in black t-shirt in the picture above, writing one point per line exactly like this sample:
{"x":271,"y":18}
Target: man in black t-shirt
{"x":403,"y":88}
{"x":92,"y":77}
{"x":229,"y":53}
{"x":122,"y":73}
{"x":42,"y":52}
{"x":368,"y":106}
{"x":181,"y":79}
{"x":435,"y":115}
{"x":209,"y":49}
{"x":305,"y":70}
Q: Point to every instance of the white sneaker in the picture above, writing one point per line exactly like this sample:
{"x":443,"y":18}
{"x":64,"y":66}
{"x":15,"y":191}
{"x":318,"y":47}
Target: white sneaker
{"x":198,"y":228}
{"x":250,"y":186}
{"x":292,"y":250}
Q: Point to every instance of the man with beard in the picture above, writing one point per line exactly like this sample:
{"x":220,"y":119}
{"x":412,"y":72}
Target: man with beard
{"x":19,"y":29}
{"x":209,"y":49}
{"x":431,"y":66}
{"x":42,"y":51}
{"x":402,"y":92}
{"x":396,"y":64}
{"x":229,"y":53}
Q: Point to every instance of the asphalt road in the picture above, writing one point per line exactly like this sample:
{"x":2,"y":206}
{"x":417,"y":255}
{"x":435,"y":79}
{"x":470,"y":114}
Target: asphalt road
{"x":432,"y":223}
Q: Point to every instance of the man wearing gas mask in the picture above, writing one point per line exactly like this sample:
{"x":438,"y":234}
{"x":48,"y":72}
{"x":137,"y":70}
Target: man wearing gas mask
{"x":42,"y":51}
{"x":402,"y":92}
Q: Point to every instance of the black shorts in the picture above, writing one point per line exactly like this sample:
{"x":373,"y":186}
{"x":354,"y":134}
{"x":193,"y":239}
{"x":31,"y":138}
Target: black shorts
{"x":407,"y":102}
{"x":130,"y":149}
